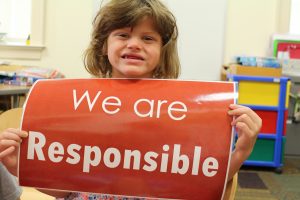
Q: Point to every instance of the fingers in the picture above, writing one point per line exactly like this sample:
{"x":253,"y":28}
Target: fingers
{"x":7,"y":151}
{"x":13,"y":134}
{"x":7,"y":143}
{"x":10,"y":140}
{"x":17,"y":132}
{"x":243,"y":119}
{"x":246,"y":115}
{"x":239,"y":110}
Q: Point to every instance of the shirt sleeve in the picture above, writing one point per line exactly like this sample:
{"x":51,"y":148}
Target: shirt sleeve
{"x":9,"y":187}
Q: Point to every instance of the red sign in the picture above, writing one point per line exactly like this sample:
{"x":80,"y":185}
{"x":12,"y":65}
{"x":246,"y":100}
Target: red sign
{"x":144,"y":138}
{"x":291,"y":48}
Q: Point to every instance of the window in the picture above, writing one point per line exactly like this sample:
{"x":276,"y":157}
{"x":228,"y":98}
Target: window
{"x":295,"y":17}
{"x":15,"y":19}
{"x":18,"y":19}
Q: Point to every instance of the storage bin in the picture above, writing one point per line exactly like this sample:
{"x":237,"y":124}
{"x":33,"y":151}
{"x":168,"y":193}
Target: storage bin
{"x":260,"y":93}
{"x":270,"y":119}
{"x":264,"y":150}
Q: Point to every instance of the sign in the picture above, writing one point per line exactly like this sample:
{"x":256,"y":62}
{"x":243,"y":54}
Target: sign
{"x":143,"y":138}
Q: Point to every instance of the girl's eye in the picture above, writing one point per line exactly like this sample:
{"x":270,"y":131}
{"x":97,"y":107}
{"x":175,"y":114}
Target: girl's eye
{"x":123,"y":35}
{"x":148,"y":38}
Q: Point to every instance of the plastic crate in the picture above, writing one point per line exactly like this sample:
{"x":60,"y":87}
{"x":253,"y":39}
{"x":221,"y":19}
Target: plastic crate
{"x":260,"y":93}
{"x":264,"y":150}
{"x":269,"y":119}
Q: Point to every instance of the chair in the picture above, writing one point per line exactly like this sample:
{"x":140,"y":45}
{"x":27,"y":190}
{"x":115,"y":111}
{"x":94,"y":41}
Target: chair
{"x":231,"y":188}
{"x":12,"y":118}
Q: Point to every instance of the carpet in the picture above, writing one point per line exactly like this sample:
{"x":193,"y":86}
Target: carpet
{"x":260,"y":183}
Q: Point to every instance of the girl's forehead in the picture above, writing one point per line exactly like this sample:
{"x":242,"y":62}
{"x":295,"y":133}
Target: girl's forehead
{"x":146,"y":23}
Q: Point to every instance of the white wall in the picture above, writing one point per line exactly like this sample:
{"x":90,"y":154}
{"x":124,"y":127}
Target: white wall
{"x":68,"y":26}
{"x":201,"y":27}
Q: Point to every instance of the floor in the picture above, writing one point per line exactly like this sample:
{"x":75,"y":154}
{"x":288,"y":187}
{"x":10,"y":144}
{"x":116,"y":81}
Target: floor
{"x":264,"y":184}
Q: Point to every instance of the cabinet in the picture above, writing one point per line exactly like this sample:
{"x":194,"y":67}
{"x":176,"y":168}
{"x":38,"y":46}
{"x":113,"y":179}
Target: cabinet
{"x":268,"y":97}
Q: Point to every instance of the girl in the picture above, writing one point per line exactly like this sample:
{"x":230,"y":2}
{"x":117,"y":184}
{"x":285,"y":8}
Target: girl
{"x":137,"y":39}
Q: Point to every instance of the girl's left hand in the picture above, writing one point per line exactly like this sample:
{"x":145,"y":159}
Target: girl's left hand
{"x":247,"y":124}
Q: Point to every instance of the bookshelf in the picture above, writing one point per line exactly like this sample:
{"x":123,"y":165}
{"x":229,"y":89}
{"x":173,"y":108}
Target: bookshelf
{"x":268,"y":97}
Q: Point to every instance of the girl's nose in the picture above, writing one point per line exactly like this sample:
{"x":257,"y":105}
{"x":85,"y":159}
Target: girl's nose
{"x":134,"y":43}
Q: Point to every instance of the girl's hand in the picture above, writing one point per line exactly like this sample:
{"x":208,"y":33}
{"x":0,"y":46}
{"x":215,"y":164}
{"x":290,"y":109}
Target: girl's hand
{"x":247,"y":124}
{"x":10,"y":140}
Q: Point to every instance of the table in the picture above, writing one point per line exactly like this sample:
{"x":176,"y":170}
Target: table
{"x":14,"y":91}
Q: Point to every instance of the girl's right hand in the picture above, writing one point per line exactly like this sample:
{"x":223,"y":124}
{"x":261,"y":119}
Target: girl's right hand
{"x":10,"y":140}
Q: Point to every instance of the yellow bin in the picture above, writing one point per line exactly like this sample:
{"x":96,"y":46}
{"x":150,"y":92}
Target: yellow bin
{"x":261,"y":93}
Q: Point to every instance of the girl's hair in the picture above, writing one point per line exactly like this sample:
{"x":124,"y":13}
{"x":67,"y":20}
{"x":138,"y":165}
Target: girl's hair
{"x":127,"y":13}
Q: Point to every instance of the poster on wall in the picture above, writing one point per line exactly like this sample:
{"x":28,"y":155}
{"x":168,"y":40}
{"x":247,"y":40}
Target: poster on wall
{"x":141,"y":138}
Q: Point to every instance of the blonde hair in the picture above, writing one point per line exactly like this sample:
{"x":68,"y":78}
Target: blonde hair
{"x":127,"y":13}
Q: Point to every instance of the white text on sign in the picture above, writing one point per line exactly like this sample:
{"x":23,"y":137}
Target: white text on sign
{"x":112,"y":104}
{"x":92,"y":156}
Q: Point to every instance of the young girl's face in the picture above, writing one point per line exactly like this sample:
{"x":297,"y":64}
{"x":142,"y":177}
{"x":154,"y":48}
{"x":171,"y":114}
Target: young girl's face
{"x":134,"y":52}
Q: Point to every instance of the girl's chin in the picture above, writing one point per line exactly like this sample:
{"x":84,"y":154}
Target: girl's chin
{"x":132,"y":74}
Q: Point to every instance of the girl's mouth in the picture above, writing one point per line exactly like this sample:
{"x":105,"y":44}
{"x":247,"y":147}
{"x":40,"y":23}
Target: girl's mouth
{"x":134,"y":57}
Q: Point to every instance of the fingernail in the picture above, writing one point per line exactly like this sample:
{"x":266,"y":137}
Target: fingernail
{"x":25,"y":134}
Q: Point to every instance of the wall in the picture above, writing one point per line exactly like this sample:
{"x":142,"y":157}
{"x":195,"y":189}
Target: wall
{"x":250,"y":24}
{"x":201,"y":27}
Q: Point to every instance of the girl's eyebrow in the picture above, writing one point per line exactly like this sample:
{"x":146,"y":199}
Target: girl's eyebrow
{"x":121,"y":29}
{"x":130,"y":29}
{"x":150,"y":31}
